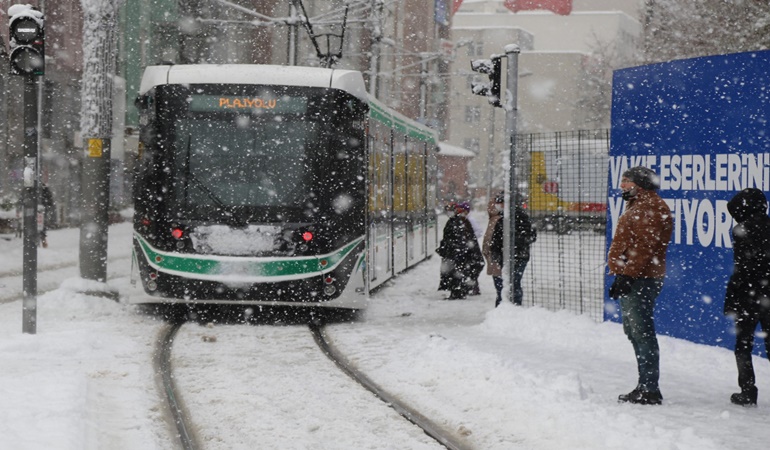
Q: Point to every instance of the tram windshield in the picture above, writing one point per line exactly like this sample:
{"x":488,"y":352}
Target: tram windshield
{"x":250,"y":151}
{"x":257,"y":164}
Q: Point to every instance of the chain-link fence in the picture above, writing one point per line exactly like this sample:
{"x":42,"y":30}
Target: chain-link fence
{"x":566,"y":197}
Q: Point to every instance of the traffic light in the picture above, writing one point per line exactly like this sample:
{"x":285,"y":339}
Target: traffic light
{"x":492,"y":68}
{"x":27,"y":40}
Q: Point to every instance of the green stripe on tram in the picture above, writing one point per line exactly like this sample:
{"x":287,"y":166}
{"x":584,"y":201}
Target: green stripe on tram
{"x":244,"y":266}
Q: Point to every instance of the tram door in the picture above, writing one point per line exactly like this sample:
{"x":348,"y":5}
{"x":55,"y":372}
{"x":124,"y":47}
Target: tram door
{"x":400,"y":216}
{"x":380,"y":233}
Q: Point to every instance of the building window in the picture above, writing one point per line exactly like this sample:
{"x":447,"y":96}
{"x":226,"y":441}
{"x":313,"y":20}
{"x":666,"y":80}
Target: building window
{"x":476,"y":49}
{"x":472,"y":144}
{"x":472,"y":114}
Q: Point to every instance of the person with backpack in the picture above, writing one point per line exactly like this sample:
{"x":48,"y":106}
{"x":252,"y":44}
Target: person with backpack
{"x":524,"y":237}
{"x":747,"y":299}
{"x":460,"y":249}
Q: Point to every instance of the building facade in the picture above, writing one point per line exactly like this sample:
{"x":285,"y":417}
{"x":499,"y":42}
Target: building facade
{"x":565,"y":69}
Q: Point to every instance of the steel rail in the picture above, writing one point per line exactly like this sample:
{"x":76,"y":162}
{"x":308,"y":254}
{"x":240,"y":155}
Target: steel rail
{"x":430,"y":428}
{"x":163,"y":369}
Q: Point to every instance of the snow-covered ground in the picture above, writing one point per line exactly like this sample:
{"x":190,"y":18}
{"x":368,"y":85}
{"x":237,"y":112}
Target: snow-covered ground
{"x":505,"y":378}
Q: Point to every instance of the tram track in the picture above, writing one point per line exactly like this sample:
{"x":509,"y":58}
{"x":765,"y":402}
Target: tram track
{"x":431,"y":428}
{"x":180,"y":416}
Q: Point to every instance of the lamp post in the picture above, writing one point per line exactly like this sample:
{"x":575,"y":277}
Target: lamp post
{"x":511,"y":117}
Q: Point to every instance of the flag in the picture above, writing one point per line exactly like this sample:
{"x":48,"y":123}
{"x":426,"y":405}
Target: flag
{"x":456,"y":5}
{"x":563,"y":7}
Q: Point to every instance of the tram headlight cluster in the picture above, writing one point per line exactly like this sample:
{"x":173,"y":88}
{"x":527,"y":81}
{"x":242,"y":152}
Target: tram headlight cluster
{"x":329,"y":287}
{"x":180,"y":236}
{"x":304,"y":241}
{"x":152,"y":283}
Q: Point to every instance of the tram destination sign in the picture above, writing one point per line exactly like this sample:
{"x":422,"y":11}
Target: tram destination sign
{"x":283,"y":104}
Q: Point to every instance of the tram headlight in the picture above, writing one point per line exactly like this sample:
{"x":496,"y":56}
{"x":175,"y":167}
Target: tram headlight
{"x":330,"y":289}
{"x":305,"y":240}
{"x":177,"y":233}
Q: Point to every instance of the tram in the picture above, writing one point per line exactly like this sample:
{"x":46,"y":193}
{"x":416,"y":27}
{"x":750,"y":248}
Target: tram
{"x":277,"y":185}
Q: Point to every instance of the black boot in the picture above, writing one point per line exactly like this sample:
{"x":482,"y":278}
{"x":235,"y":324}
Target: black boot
{"x":640,"y":397}
{"x":747,"y":397}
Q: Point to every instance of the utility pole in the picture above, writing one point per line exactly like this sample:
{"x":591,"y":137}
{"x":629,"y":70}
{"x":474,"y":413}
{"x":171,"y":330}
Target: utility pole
{"x":374,"y":59}
{"x":293,"y":24}
{"x":492,"y":90}
{"x":423,"y":87}
{"x":512,"y":193}
{"x":30,"y":203}
{"x":27,"y":58}
{"x":99,"y":25}
{"x":491,"y":154}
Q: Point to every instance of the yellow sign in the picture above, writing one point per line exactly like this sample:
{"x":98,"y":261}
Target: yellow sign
{"x":94,"y":148}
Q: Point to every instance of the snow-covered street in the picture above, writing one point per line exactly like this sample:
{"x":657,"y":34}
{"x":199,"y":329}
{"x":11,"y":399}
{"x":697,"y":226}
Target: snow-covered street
{"x":506,"y":378}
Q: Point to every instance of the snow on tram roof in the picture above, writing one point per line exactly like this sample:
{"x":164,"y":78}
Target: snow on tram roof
{"x":349,"y":81}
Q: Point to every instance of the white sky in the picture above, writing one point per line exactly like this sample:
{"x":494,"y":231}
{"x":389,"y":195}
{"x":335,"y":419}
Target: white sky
{"x":506,"y":378}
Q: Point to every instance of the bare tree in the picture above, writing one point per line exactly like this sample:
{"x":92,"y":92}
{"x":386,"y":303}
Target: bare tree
{"x":595,"y":100}
{"x":675,"y":29}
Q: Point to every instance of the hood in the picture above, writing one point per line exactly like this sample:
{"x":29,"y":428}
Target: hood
{"x":747,"y":203}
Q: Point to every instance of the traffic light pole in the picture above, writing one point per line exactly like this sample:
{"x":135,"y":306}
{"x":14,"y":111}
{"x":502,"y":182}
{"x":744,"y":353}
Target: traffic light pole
{"x":30,"y":201}
{"x":511,"y":123}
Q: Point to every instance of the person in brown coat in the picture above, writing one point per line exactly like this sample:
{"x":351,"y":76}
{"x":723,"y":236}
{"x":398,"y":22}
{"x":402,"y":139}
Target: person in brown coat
{"x":494,"y":266}
{"x":637,"y":258}
{"x":492,"y":247}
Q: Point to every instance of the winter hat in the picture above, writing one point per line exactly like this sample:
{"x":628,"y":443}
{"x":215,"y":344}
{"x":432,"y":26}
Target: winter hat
{"x":643,"y":177}
{"x":463,"y":207}
{"x":500,"y":197}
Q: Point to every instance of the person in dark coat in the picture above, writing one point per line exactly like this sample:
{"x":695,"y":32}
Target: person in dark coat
{"x":48,"y":208}
{"x":747,"y":299}
{"x":524,"y":236}
{"x":460,"y":247}
{"x":447,"y":265}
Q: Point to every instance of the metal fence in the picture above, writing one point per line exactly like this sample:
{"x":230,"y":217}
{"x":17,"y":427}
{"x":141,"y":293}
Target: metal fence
{"x":566,"y":196}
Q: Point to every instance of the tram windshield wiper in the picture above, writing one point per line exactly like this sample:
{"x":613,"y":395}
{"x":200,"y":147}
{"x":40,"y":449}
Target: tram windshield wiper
{"x":227,"y":210}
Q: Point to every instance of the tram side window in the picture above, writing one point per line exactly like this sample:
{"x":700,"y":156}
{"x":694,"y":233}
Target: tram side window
{"x":416,"y":176}
{"x":380,"y":162}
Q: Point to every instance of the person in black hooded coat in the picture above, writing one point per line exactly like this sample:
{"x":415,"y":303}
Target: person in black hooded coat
{"x":460,"y":248}
{"x":747,"y":299}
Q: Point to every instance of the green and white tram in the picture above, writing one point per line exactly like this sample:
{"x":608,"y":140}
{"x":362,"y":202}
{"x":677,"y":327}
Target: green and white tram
{"x":275,"y":185}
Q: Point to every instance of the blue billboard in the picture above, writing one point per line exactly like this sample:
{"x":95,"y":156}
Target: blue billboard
{"x":702,"y":125}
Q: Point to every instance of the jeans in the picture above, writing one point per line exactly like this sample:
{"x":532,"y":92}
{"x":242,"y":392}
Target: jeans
{"x":519,"y":264}
{"x":637,"y":311}
{"x":499,"y":288}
